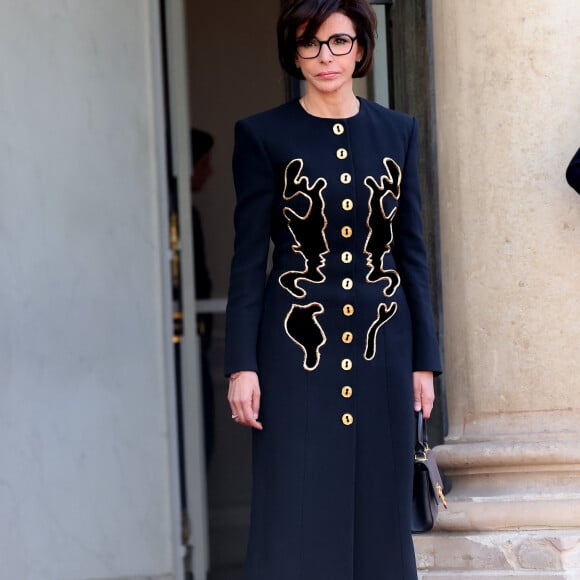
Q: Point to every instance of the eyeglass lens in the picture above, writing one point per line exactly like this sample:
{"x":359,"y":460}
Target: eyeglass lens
{"x":339,"y":45}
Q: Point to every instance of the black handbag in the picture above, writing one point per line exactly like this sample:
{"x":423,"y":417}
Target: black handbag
{"x":427,"y":483}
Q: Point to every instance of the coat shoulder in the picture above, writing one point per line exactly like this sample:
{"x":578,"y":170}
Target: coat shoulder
{"x":395,"y":118}
{"x":264,"y":120}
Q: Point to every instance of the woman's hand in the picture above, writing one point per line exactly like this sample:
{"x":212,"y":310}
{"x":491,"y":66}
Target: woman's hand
{"x":423,"y":392}
{"x":244,"y":398}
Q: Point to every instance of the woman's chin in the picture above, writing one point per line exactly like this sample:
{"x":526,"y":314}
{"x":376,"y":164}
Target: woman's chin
{"x":330,"y":86}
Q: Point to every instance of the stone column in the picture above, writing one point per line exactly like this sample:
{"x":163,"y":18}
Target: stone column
{"x":507,"y":85}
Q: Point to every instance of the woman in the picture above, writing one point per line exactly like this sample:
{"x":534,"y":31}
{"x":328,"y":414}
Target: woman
{"x":325,"y":356}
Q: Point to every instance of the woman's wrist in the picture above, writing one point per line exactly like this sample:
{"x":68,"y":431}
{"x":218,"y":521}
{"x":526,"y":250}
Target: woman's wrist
{"x":238,"y":374}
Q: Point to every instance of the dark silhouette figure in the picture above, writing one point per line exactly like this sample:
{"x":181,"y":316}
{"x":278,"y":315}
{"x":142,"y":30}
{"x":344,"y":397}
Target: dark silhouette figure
{"x":380,"y":225}
{"x":304,"y":329}
{"x":201,"y":146}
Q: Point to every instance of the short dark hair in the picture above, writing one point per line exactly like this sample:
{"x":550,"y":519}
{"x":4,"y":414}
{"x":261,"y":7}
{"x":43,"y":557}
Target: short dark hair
{"x":313,"y":13}
{"x":201,"y":143}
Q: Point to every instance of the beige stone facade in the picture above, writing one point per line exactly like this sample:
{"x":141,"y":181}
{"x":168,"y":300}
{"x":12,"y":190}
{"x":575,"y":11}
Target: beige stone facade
{"x":507,"y":88}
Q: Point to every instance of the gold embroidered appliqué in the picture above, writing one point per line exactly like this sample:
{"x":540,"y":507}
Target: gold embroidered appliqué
{"x":308,"y":231}
{"x":384,"y":314}
{"x":378,"y":245}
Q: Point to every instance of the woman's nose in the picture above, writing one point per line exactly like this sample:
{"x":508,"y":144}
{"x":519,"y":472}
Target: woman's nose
{"x":325,"y":54}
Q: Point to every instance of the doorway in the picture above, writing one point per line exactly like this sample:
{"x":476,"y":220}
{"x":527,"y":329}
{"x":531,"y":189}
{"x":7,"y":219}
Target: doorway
{"x":233,"y":72}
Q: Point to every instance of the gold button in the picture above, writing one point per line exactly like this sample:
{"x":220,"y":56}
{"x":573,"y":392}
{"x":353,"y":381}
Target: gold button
{"x":342,"y":153}
{"x":338,"y":129}
{"x":346,"y":364}
{"x":347,"y":284}
{"x":346,"y":257}
{"x":347,"y":419}
{"x":347,"y":204}
{"x":348,"y":309}
{"x":345,"y":178}
{"x":346,"y":232}
{"x":347,"y":337}
{"x":346,"y":392}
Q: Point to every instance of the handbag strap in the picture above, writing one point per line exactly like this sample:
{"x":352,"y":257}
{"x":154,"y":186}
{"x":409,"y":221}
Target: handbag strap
{"x":422,"y":436}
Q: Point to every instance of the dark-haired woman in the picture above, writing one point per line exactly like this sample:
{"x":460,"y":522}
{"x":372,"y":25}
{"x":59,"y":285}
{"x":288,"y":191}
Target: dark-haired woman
{"x":329,"y":356}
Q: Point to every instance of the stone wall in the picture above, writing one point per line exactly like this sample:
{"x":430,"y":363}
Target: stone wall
{"x":508,"y":122}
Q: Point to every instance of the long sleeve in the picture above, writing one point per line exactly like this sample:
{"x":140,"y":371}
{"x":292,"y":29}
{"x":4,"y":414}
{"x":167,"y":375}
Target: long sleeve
{"x":410,"y":256}
{"x":573,"y":172}
{"x":254,"y":183}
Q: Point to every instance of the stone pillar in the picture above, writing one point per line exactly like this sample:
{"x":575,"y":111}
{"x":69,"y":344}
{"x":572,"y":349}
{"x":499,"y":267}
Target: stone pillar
{"x":507,"y":85}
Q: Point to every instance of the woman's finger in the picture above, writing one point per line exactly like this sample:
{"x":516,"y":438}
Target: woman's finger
{"x":256,"y":403}
{"x":427,"y":400}
{"x":417,"y":399}
{"x":423,"y":392}
{"x":242,"y":412}
{"x":250,"y":419}
{"x":244,"y":398}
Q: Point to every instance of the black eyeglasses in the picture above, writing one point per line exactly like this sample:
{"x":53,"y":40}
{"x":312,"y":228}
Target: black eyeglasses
{"x":338,"y":44}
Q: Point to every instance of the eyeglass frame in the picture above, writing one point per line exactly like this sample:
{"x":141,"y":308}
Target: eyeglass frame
{"x":327,"y":42}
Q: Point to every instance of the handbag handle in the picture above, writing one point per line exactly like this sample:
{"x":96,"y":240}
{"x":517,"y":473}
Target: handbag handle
{"x":422,"y":440}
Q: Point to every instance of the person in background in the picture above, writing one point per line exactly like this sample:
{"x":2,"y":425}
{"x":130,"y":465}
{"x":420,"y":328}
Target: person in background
{"x":201,"y":146}
{"x":573,"y":172}
{"x":329,"y":355}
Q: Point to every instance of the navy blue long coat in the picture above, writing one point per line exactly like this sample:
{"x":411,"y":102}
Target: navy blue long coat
{"x":334,"y":332}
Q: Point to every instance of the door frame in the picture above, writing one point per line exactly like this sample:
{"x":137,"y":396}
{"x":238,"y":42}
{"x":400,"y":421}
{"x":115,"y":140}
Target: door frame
{"x":195,"y":534}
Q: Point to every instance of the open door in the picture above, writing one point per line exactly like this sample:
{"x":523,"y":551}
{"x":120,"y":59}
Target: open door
{"x":195,"y":536}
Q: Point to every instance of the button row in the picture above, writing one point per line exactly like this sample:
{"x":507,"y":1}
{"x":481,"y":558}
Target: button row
{"x":347,"y":283}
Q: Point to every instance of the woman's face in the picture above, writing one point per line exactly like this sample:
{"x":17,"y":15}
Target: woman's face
{"x":328,"y":73}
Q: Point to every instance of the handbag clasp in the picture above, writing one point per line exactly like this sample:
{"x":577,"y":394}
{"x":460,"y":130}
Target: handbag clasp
{"x":441,"y":495}
{"x":421,"y":456}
